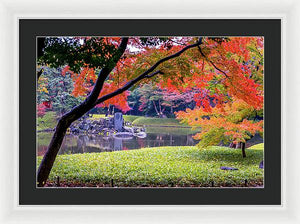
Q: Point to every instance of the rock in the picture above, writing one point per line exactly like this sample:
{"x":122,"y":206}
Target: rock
{"x":118,"y":144}
{"x":86,"y":127}
{"x":95,"y":123}
{"x":118,"y":121}
{"x":228,"y":168}
{"x":128,"y":129}
{"x":261,"y":164}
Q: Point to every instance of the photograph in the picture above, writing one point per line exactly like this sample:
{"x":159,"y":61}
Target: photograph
{"x":150,"y":112}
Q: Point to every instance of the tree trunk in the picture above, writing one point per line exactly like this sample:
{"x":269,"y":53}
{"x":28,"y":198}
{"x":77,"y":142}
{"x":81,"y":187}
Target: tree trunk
{"x":160,"y":112}
{"x":89,"y":103}
{"x":155,"y":108}
{"x":49,"y":157}
{"x":243,"y":144}
{"x":77,"y":112}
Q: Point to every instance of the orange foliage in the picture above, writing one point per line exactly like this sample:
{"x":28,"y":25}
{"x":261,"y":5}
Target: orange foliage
{"x":83,"y":84}
{"x":120,"y":101}
{"x":231,"y":120}
{"x":227,"y":75}
{"x":225,"y":72}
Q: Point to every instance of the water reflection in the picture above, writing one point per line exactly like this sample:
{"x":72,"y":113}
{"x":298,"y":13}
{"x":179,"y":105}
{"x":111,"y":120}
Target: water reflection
{"x":93,"y":143}
{"x":73,"y":144}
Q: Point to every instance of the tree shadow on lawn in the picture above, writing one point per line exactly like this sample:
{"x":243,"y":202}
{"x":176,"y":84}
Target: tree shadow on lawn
{"x":227,"y":155}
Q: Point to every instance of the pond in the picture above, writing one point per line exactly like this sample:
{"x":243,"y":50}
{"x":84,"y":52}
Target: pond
{"x":85,"y":143}
{"x":156,"y":137}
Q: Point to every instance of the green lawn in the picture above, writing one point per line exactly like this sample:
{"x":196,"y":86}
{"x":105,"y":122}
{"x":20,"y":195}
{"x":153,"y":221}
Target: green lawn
{"x":153,"y":121}
{"x":141,"y":120}
{"x":130,"y":118}
{"x":48,"y":121}
{"x":148,"y":121}
{"x":173,"y":130}
{"x":162,"y":166}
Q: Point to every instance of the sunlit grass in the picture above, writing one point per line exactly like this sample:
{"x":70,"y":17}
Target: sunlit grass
{"x":153,"y":121}
{"x":162,"y":166}
{"x":257,"y":146}
{"x":172,"y":130}
{"x":48,"y":121}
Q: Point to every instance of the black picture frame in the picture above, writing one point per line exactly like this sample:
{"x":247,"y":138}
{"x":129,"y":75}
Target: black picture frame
{"x":29,"y":29}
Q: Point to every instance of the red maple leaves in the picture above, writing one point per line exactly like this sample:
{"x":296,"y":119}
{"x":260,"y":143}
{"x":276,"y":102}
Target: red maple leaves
{"x":222,"y":74}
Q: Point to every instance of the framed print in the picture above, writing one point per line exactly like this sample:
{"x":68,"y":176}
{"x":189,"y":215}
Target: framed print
{"x":21,"y":199}
{"x":224,"y":70}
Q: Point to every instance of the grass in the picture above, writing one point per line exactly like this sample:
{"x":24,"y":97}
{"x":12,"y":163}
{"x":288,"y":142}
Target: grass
{"x":44,"y":138}
{"x":130,"y":118}
{"x":257,"y":146}
{"x":153,"y":121}
{"x":162,"y":166}
{"x":48,"y":121}
{"x":141,"y":120}
{"x":172,"y":130}
{"x":148,"y":121}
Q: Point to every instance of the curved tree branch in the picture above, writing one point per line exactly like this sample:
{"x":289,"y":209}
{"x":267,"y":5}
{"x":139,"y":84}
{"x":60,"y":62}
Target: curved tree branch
{"x":146,"y":74}
{"x":67,"y":119}
{"x":89,"y":102}
{"x":201,"y":52}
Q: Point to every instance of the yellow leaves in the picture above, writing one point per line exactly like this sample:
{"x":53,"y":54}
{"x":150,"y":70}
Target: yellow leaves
{"x":44,"y":89}
{"x":229,"y":122}
{"x":42,"y":83}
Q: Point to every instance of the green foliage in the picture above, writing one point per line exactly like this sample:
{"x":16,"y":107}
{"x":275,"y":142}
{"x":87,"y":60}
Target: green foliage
{"x":163,"y":166}
{"x":48,"y":121}
{"x":134,"y":100}
{"x":58,"y":90}
{"x":213,"y":137}
{"x":76,"y":53}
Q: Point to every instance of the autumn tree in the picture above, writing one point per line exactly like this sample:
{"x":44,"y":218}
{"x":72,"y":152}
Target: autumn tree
{"x":233,"y":123}
{"x":178,"y":101}
{"x":222,"y":70}
{"x":82,"y":56}
{"x":233,"y":92}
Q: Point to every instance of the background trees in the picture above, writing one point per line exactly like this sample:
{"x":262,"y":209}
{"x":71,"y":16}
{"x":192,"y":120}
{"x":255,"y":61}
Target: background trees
{"x":55,"y":91}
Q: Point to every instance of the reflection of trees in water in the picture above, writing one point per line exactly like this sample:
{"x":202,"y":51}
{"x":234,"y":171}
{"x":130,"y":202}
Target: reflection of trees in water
{"x":88,"y":143}
{"x":73,"y":144}
{"x":190,"y":140}
{"x":42,"y":150}
{"x":158,"y":140}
